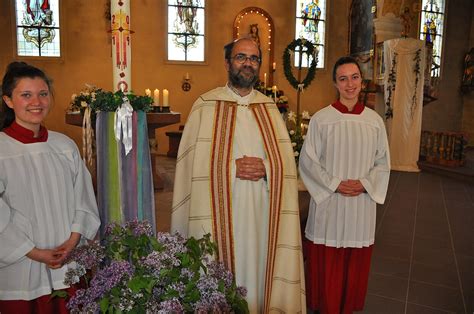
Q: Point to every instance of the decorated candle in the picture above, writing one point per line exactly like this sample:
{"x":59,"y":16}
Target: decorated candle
{"x":156,"y":97}
{"x":165,"y":98}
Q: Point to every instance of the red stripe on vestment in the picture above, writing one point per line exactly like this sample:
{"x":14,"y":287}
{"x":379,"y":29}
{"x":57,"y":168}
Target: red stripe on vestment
{"x":220,"y":181}
{"x":270,"y":141}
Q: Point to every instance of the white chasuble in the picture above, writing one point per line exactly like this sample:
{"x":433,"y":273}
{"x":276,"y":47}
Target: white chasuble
{"x":404,"y":76}
{"x":254,"y":224}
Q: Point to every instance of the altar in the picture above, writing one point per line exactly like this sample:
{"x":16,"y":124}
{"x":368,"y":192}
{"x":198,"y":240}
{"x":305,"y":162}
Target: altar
{"x":154,"y":121}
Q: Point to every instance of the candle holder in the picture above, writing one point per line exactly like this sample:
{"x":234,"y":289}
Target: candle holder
{"x":156,"y":109}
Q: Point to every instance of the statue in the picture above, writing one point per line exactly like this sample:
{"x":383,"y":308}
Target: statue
{"x":254,"y":33}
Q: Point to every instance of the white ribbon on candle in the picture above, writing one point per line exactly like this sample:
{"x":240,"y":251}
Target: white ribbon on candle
{"x":123,"y":124}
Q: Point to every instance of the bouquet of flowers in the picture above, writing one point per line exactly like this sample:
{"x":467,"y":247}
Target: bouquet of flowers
{"x":297,"y":128}
{"x":132,"y":271}
{"x":84,"y":98}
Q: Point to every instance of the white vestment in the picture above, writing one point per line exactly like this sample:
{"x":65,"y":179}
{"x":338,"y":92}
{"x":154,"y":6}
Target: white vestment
{"x":340,"y":147}
{"x":45,"y":194}
{"x":251,"y":201}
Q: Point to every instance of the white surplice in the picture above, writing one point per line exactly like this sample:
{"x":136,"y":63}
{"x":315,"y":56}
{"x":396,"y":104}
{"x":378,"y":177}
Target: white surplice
{"x":339,"y":147}
{"x":45,"y":194}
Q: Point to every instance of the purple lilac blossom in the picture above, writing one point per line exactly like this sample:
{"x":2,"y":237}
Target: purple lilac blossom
{"x":89,"y":255}
{"x":171,"y":306}
{"x":219,"y":271}
{"x":139,"y":228}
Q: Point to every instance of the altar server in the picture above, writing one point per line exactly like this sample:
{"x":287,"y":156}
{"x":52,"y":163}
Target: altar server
{"x":47,"y":202}
{"x":345,"y":166}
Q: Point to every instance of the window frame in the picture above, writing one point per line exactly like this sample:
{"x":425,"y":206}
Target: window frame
{"x":323,"y":45}
{"x":206,"y":36}
{"x":62,"y":45}
{"x":444,"y":14}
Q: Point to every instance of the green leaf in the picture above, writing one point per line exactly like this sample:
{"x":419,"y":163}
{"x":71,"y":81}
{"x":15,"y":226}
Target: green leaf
{"x":104,"y":305}
{"x":59,"y":294}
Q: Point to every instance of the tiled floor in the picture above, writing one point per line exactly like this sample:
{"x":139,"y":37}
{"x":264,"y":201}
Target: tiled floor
{"x":423,"y":259}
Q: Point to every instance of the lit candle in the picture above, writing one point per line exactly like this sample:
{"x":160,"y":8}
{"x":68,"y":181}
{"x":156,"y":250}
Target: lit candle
{"x":165,"y":98}
{"x":148,"y":92}
{"x":265,"y":80}
{"x":274,"y":89}
{"x":274,"y":66}
{"x":156,"y":97}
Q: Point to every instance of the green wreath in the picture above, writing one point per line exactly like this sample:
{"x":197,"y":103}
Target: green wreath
{"x":290,"y":49}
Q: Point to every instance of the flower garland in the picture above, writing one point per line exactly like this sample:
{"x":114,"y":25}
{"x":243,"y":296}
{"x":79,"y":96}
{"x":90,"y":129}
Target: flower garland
{"x":289,"y":51}
{"x":417,"y":79}
{"x":392,"y":79}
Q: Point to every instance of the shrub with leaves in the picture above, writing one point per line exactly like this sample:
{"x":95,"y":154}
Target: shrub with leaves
{"x":131,"y":271}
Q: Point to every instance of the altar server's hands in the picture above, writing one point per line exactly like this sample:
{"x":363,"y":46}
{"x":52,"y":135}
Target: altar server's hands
{"x":350,"y":188}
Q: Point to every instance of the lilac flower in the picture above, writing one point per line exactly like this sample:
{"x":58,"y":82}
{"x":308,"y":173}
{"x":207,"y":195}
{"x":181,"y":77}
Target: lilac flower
{"x":132,"y":273}
{"x":242,"y":291}
{"x":171,"y":306}
{"x":88,"y":256}
{"x":219,"y":271}
{"x":74,"y":274}
{"x":139,"y":228}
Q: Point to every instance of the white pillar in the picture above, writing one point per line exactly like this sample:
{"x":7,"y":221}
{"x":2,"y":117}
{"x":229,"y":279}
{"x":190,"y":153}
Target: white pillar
{"x":121,"y":44}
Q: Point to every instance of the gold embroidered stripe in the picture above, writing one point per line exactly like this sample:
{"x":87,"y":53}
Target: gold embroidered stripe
{"x":276,"y":184}
{"x":220,"y":183}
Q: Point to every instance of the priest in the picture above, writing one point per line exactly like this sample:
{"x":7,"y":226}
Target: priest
{"x":236,"y":179}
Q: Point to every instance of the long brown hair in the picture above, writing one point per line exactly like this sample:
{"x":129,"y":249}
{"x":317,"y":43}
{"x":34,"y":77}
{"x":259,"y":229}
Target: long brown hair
{"x":14,"y":72}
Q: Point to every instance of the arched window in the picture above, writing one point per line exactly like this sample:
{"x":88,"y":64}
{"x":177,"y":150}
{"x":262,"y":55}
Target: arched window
{"x":432,"y":29}
{"x":311,"y":25}
{"x":186,"y":30}
{"x":37,"y":28}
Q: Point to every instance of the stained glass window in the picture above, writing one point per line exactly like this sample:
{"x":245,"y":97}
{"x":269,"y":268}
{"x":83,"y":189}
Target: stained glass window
{"x":311,"y":25}
{"x":186,"y":30}
{"x":431,"y":30}
{"x":37,"y":28}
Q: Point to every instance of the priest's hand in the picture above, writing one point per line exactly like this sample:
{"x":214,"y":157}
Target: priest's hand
{"x":51,"y":257}
{"x":250,"y":168}
{"x":350,"y":188}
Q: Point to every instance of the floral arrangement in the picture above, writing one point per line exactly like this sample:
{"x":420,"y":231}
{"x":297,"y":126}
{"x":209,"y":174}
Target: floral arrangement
{"x":132,"y":271}
{"x":297,"y":128}
{"x":99,"y":100}
{"x":84,"y":98}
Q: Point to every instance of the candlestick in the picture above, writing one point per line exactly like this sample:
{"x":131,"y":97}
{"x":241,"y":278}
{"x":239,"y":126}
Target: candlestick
{"x":156,"y":97}
{"x":265,"y":80}
{"x":165,"y":98}
{"x":148,"y":92}
{"x":274,"y":90}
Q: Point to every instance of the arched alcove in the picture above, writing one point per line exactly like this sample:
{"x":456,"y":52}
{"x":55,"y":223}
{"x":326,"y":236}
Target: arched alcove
{"x":245,"y":23}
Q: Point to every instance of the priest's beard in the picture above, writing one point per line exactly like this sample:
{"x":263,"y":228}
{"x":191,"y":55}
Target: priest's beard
{"x":241,"y":80}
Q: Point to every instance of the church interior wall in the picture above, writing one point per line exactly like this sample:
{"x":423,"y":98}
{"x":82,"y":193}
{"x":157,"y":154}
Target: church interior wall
{"x":446,"y":113}
{"x":87,"y":57}
{"x":468,"y":98}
